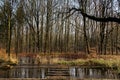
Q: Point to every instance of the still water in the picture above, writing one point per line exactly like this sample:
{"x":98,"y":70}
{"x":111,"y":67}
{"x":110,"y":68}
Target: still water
{"x":36,"y":71}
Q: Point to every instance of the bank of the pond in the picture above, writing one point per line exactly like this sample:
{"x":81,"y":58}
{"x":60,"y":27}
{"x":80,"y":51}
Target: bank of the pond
{"x":7,"y":64}
{"x":92,"y":60}
{"x":105,"y":63}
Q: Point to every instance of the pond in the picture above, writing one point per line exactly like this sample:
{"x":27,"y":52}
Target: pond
{"x":24,"y":70}
{"x":72,"y":72}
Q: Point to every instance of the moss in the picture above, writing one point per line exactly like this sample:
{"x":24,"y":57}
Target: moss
{"x":92,"y":62}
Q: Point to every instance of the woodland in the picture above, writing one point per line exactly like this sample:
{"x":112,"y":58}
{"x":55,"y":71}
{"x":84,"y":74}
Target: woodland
{"x":60,"y":26}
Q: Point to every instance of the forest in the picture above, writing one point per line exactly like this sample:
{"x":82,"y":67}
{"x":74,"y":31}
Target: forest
{"x":65,"y":26}
{"x":64,"y":32}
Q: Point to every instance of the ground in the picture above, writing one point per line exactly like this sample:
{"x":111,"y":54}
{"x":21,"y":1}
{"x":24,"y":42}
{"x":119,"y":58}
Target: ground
{"x":69,"y":59}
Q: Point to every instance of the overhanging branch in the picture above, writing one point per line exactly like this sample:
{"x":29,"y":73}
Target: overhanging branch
{"x":108,"y":19}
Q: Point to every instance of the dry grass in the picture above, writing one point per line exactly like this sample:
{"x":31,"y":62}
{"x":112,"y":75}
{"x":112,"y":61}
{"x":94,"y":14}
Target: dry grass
{"x":94,"y":60}
{"x":55,"y":58}
{"x":3,"y":54}
{"x":46,"y":60}
{"x":4,"y":57}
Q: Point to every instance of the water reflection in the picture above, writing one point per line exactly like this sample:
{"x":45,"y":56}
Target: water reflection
{"x":80,"y":73}
{"x":43,"y":73}
{"x":25,"y":73}
{"x":72,"y":72}
{"x":92,"y":73}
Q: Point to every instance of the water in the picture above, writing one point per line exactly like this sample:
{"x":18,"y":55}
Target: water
{"x":92,"y":73}
{"x":79,"y":73}
{"x":25,"y":70}
{"x":27,"y":73}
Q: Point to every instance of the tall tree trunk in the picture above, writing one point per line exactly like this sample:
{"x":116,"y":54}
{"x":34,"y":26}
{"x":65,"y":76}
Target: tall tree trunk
{"x":85,"y":36}
{"x":9,"y":35}
{"x":48,"y":25}
{"x":116,"y":42}
{"x":41,"y":36}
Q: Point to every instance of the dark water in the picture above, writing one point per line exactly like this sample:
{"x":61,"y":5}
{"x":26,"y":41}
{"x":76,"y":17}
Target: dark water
{"x":36,"y":71}
{"x":25,"y":73}
{"x":80,"y":73}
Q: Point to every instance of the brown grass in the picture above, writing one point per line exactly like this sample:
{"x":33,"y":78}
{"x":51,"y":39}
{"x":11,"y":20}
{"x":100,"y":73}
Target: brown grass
{"x":53,"y":58}
{"x":4,"y":56}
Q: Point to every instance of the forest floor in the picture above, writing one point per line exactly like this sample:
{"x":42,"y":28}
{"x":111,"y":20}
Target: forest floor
{"x":80,"y":59}
{"x":94,"y":60}
{"x":76,"y":59}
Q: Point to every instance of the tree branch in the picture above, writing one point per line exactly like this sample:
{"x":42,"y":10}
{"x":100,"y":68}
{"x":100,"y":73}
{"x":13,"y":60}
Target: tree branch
{"x":108,"y":19}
